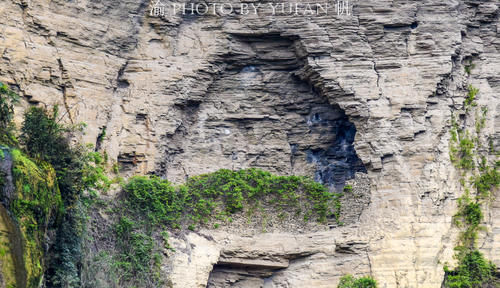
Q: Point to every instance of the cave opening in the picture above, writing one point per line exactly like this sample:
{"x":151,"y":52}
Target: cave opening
{"x":258,"y":112}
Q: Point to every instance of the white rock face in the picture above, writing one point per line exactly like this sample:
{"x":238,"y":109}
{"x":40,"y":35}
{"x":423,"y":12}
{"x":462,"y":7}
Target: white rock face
{"x":169,"y":91}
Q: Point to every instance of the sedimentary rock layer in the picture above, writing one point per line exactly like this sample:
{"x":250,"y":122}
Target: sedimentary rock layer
{"x":165,"y":90}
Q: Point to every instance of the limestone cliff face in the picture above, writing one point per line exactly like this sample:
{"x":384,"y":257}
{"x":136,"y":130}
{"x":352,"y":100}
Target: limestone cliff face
{"x":332,"y":97}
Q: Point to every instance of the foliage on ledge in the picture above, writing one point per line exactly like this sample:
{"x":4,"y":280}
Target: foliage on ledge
{"x":348,"y":281}
{"x":226,"y":192}
{"x":153,"y":204}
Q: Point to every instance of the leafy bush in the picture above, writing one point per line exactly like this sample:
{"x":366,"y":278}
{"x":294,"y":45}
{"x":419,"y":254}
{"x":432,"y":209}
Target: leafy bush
{"x":473,"y":271}
{"x":41,"y":135}
{"x":461,"y":148}
{"x":233,"y":189}
{"x":466,"y":146}
{"x":135,"y":257}
{"x":64,"y":268}
{"x":473,"y":214}
{"x":155,"y":198}
{"x":136,"y":261}
{"x":78,"y":168}
{"x":348,"y":281}
{"x":227,"y":192}
{"x":488,"y":179}
{"x":348,"y":188}
{"x":468,"y":68}
{"x":471,"y":96}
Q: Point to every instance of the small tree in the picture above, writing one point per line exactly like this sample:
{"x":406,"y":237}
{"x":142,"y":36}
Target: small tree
{"x":473,"y":271}
{"x":78,"y":169}
{"x":42,"y":136}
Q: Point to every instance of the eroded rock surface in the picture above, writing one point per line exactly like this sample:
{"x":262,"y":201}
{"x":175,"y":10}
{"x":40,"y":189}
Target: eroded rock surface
{"x":259,"y":113}
{"x":166,"y":89}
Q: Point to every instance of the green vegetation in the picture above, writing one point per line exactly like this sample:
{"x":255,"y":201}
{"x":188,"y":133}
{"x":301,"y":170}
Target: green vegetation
{"x":478,"y":179}
{"x":154,"y":198}
{"x":471,"y":97}
{"x":79,"y":170}
{"x":487,"y":180}
{"x":348,"y":188}
{"x":155,"y":204}
{"x":473,"y":271}
{"x":7,"y":101}
{"x":54,"y":182}
{"x":36,"y":205}
{"x":225,"y":192}
{"x":468,"y":68}
{"x":348,"y":281}
{"x":136,"y":261}
{"x":468,"y":217}
{"x":57,"y":182}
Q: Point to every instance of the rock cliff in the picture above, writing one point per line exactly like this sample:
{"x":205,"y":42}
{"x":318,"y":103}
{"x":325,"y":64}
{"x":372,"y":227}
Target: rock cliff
{"x":364,"y":98}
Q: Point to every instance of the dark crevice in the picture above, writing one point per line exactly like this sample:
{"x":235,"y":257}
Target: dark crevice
{"x":251,"y":272}
{"x":100,"y":139}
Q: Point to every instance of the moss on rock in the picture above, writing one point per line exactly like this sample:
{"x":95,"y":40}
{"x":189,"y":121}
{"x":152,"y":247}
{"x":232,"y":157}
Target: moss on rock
{"x":34,"y":206}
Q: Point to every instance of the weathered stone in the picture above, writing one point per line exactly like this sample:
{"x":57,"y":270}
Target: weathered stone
{"x":167,"y":89}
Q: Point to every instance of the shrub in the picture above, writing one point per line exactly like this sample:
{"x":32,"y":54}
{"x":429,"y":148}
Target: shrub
{"x":488,"y":179}
{"x":472,"y":214}
{"x":155,"y":198}
{"x":473,"y":271}
{"x":134,"y":261}
{"x":468,"y":68}
{"x":227,"y":192}
{"x":348,"y":281}
{"x":466,"y":155}
{"x":64,"y":268}
{"x":471,"y":96}
{"x":42,"y":136}
{"x":348,"y":188}
{"x":78,"y":168}
{"x":234,"y":189}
